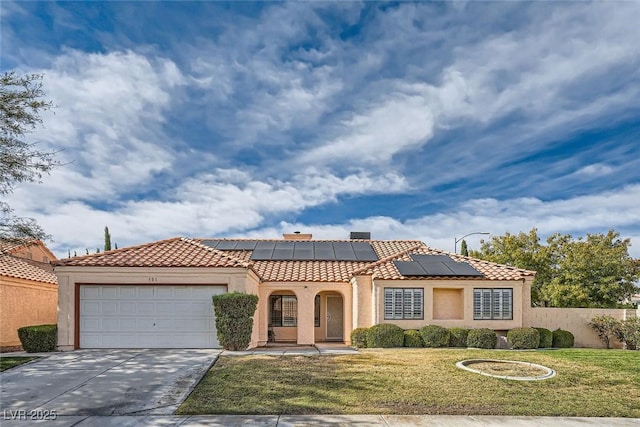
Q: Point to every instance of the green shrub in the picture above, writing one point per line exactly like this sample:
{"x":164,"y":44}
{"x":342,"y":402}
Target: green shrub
{"x":359,"y":337}
{"x":562,"y":339}
{"x":607,"y":327}
{"x":546,"y":337}
{"x":629,"y":333}
{"x":458,"y":337}
{"x":482,"y":338}
{"x":38,"y":339}
{"x":234,"y":319}
{"x":385,"y":335}
{"x":434,"y":336}
{"x":412,"y":338}
{"x":523,"y":338}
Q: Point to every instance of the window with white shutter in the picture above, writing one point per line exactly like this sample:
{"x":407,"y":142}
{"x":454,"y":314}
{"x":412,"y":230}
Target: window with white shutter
{"x":403,"y":303}
{"x":492,"y":304}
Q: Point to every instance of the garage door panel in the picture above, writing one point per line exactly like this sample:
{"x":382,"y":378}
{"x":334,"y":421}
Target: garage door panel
{"x":135,"y":316}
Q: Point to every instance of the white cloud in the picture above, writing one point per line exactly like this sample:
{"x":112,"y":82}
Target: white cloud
{"x":595,"y":170}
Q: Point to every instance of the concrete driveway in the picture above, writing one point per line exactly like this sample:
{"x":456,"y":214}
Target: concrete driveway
{"x":105,"y":382}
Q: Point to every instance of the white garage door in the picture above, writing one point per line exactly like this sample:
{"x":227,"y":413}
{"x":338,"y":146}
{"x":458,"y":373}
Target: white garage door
{"x":132,"y":316}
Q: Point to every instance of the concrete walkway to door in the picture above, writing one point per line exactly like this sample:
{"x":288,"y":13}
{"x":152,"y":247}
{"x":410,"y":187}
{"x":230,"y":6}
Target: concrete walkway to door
{"x":105,"y":382}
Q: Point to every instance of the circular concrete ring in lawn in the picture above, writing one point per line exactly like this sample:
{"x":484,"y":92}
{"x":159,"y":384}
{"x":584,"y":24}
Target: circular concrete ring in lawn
{"x":507,"y":369}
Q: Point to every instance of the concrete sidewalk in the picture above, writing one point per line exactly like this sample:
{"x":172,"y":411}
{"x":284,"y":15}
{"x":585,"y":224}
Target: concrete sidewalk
{"x":326,"y":348}
{"x":327,"y":420}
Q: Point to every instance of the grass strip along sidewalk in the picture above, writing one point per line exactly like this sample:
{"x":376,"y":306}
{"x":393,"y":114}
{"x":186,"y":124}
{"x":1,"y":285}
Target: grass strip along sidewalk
{"x":12,"y":361}
{"x":591,"y":383}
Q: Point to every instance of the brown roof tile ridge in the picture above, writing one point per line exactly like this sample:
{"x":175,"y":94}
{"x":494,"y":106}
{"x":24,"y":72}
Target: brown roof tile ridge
{"x":459,"y":257}
{"x":113,"y":251}
{"x":222,"y":254}
{"x":41,"y":275}
{"x":390,"y":257}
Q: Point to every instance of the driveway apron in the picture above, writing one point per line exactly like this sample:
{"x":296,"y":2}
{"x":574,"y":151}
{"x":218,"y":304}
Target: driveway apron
{"x":105,"y":382}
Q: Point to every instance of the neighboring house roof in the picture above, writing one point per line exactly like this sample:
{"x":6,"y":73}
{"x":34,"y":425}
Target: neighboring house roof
{"x":184,"y":252}
{"x":13,"y":248}
{"x":20,"y":268}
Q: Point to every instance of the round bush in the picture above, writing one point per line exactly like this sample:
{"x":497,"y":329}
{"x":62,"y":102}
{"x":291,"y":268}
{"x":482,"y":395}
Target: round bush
{"x":546,"y":338}
{"x":359,"y":337}
{"x":562,"y":339}
{"x":458,"y":337}
{"x":523,"y":338}
{"x":482,"y":338}
{"x":412,"y":338}
{"x":38,"y":339}
{"x":434,"y":336}
{"x":385,"y":335}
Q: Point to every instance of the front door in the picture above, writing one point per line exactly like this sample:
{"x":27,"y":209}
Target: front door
{"x":334,"y":317}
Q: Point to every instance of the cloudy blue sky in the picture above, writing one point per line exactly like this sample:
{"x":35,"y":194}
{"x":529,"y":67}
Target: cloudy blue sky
{"x":409,"y":120}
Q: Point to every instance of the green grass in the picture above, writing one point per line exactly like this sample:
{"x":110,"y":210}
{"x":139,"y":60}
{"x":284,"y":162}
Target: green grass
{"x":592,"y":383}
{"x":10,"y":362}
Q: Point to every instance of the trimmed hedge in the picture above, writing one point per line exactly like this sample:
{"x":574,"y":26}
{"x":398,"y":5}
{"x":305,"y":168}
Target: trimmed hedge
{"x":412,"y":338}
{"x":458,"y":337}
{"x":546,"y":338}
{"x":434,"y":336}
{"x":359,"y":337}
{"x":385,"y":335}
{"x":562,"y":339}
{"x":482,"y":338}
{"x":234,"y":319}
{"x":39,"y":338}
{"x":523,"y":338}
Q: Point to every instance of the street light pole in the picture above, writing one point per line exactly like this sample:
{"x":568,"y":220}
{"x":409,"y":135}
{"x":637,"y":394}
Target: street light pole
{"x":456,"y":240}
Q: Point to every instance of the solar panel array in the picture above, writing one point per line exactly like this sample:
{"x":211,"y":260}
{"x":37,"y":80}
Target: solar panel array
{"x":435,"y":265}
{"x":289,"y":250}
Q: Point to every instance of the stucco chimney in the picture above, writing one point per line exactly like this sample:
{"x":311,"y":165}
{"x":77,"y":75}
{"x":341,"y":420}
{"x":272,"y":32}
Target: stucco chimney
{"x":296,"y":235}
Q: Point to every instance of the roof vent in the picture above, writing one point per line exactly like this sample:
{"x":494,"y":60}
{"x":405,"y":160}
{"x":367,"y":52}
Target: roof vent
{"x":360,"y":235}
{"x":297,"y":236}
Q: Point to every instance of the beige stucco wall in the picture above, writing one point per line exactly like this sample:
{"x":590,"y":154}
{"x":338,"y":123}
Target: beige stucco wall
{"x":35,"y":252}
{"x":575,"y":320}
{"x":236,"y":279}
{"x":448,"y":304}
{"x":25,"y":303}
{"x":519,"y":300}
{"x":305,"y":333}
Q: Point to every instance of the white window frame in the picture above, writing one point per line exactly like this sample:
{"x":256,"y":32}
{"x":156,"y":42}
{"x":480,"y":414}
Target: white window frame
{"x":493,"y":304}
{"x":403,"y":303}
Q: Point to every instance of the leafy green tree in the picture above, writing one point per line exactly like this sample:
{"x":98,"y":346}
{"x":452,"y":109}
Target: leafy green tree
{"x":463,"y":248}
{"x":107,"y":239}
{"x":21,"y":103}
{"x":595,"y":271}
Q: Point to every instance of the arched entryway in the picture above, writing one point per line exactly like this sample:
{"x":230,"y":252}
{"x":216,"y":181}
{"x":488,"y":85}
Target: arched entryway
{"x":283,"y":317}
{"x":330,"y":325}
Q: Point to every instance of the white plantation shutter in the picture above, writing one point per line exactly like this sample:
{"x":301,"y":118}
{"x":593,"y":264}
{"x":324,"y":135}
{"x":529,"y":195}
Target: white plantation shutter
{"x":492,"y":304}
{"x":402,"y":303}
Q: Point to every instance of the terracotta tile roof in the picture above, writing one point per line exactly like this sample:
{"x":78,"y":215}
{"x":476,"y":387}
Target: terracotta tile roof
{"x":183,"y":252}
{"x":11,"y":266}
{"x":175,"y":252}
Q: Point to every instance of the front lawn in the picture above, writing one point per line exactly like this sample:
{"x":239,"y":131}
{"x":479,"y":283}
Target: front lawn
{"x":591,"y":383}
{"x":11,"y":361}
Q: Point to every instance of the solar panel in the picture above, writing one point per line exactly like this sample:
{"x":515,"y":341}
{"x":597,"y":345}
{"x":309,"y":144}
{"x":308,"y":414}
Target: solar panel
{"x":430,"y":258}
{"x":210,"y":243}
{"x":262,"y":254}
{"x":226,"y":245}
{"x":436,"y":268}
{"x":409,"y":268}
{"x":246,"y":245}
{"x":288,"y":250}
{"x":434,"y":265}
{"x":463,"y":269}
{"x":266,"y":245}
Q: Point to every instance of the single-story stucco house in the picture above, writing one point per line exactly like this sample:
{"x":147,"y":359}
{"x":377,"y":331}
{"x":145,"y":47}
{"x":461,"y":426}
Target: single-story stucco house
{"x":159,"y":294}
{"x":28,"y":289}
